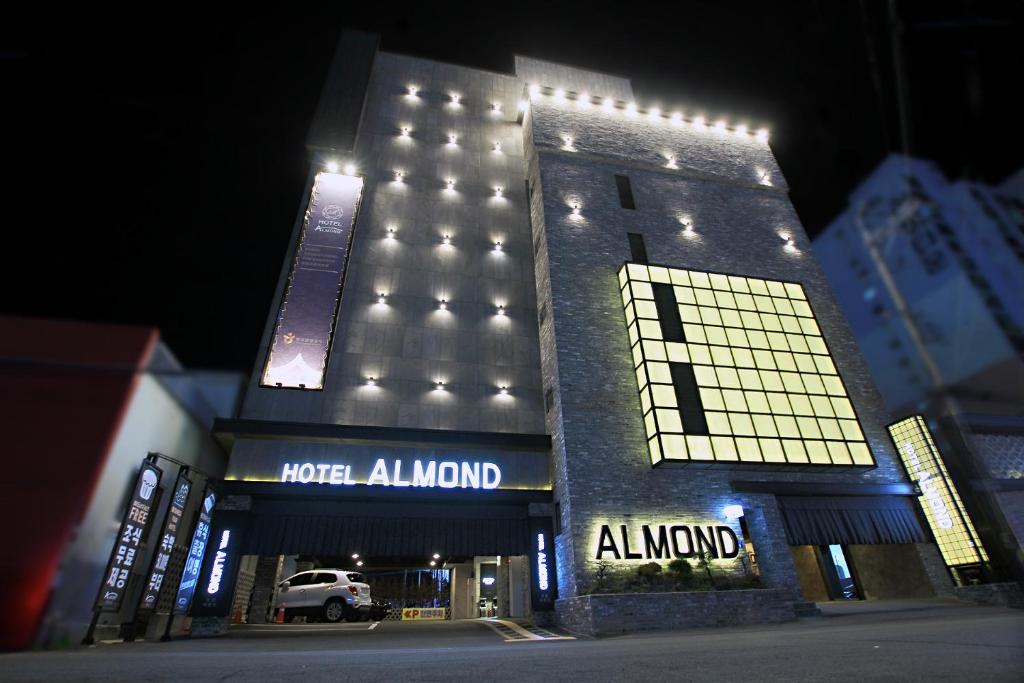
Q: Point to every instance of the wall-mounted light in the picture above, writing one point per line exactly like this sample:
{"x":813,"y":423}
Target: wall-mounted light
{"x":399,"y":176}
{"x":523,"y":104}
{"x":787,"y":241}
{"x":370,"y":382}
{"x":534,"y":91}
{"x":654,"y":113}
{"x":433,"y":563}
{"x":439,"y":385}
{"x":497,"y":246}
{"x":496,"y":148}
{"x":446,"y":239}
{"x":733,"y":511}
{"x":763,"y":177}
{"x":575,"y":209}
{"x":503,"y":390}
{"x":559,"y":95}
{"x":391,"y":232}
{"x":442,"y":305}
{"x":762,"y":135}
{"x":359,"y":563}
{"x":496,"y":108}
{"x":608,"y":104}
{"x":350,"y":169}
{"x":382,"y":298}
{"x":567,"y":143}
{"x":499,"y":191}
{"x":450,"y":185}
{"x":355,"y":556}
{"x":687,"y":225}
{"x":670,"y":161}
{"x":404,"y":132}
{"x":720,"y":127}
{"x":583,"y":99}
{"x":501,"y":310}
{"x":456,"y":98}
{"x":676,"y":118}
{"x":332,"y":166}
{"x":741,"y":129}
{"x":412,"y":91}
{"x":437,"y":556}
{"x":631,"y":109}
{"x":698,"y":122}
{"x":453,"y":139}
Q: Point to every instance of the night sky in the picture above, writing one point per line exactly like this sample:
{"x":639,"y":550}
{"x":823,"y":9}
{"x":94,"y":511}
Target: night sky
{"x":155,"y":164}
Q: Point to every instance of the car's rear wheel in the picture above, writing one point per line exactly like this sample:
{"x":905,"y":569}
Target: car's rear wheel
{"x":334,"y":610}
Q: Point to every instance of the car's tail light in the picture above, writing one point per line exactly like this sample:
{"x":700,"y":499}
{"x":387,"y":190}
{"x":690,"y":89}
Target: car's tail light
{"x":355,"y":590}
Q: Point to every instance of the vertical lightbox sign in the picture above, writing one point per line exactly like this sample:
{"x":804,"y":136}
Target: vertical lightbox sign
{"x":130,"y":537}
{"x":168,"y":537}
{"x":543,"y":584}
{"x":196,"y":551}
{"x":309,"y":307}
{"x":954,"y":533}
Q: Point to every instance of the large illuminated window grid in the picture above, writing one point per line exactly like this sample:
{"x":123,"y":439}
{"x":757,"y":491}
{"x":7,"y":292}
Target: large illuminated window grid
{"x":768,"y":389}
{"x":959,"y":544}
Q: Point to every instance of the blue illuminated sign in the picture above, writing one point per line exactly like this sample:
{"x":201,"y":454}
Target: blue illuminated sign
{"x":194,"y":561}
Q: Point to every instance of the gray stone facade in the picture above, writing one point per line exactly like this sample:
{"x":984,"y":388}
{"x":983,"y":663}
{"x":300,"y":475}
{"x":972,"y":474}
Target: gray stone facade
{"x":407,"y":343}
{"x":607,"y":615}
{"x":721,"y":186}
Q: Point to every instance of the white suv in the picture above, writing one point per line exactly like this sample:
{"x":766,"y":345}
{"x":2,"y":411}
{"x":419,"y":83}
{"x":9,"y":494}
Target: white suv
{"x":329,"y":594}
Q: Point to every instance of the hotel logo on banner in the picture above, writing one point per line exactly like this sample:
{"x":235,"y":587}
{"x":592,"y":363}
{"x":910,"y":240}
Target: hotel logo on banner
{"x":305,"y":322}
{"x":128,"y":544}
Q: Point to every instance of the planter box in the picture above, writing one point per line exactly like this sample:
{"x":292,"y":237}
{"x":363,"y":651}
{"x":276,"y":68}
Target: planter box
{"x":615,"y":613}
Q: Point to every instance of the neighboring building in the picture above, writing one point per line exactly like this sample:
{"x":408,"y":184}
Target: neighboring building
{"x":505,"y":373}
{"x":955,"y":252}
{"x":83,"y":405}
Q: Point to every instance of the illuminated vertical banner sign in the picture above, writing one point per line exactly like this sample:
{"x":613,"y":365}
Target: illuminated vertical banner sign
{"x":194,"y":561}
{"x":305,"y":323}
{"x":543,"y":584}
{"x":954,"y":533}
{"x":128,"y":544}
{"x":166,"y":541}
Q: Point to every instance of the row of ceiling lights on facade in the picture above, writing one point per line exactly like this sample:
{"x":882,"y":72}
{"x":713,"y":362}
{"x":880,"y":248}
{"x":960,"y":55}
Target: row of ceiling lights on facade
{"x":443,"y":304}
{"x":584,"y":100}
{"x":446,"y":240}
{"x":405,"y":133}
{"x":449,"y":184}
{"x":412,"y":92}
{"x":439,"y":385}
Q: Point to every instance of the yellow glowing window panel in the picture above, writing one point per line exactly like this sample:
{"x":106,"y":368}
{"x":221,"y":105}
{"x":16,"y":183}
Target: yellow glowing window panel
{"x":954,"y":532}
{"x":735,"y":369}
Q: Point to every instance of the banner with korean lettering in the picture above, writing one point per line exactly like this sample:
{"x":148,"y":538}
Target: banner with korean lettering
{"x":130,"y":536}
{"x":196,"y":550}
{"x":168,"y":537}
{"x":305,"y":322}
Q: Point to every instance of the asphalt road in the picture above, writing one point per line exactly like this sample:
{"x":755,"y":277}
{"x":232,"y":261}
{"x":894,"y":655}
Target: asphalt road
{"x":929,"y":641}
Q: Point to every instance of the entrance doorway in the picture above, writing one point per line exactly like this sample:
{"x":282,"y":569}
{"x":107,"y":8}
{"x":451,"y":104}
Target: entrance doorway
{"x":837,"y":570}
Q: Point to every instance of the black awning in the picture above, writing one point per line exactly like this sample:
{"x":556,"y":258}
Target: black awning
{"x":850,"y":520}
{"x":395,"y":530}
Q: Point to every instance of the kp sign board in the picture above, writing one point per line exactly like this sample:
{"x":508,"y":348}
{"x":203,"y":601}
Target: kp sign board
{"x":423,"y":614}
{"x":305,"y":323}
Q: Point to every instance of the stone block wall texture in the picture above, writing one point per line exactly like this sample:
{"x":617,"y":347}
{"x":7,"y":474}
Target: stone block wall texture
{"x":408,"y":343}
{"x":998,"y":594}
{"x":874,"y":567}
{"x":1002,"y":454}
{"x":268,"y":573}
{"x":607,"y":615}
{"x":602,"y":470}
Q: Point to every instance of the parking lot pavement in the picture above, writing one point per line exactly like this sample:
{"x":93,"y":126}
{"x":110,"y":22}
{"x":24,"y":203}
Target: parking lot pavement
{"x":934,"y":643}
